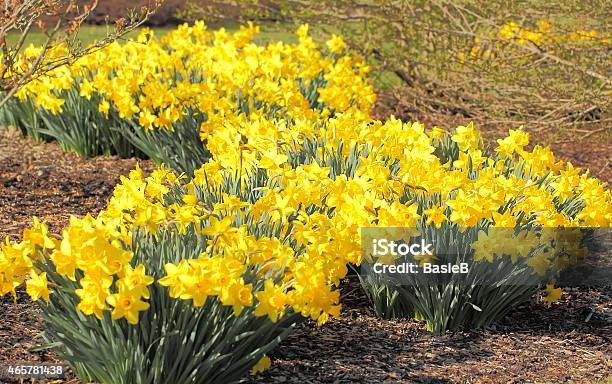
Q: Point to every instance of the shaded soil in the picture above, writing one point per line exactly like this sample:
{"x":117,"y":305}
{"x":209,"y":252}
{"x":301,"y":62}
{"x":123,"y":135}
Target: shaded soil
{"x":570,"y":342}
{"x":20,"y":328}
{"x":108,"y":11}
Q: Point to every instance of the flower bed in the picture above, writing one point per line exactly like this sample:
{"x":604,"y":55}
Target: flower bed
{"x":187,"y":275}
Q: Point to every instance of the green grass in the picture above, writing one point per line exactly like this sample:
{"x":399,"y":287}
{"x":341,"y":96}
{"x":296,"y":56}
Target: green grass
{"x":87,"y":34}
{"x":268,"y":31}
{"x":91,"y":33}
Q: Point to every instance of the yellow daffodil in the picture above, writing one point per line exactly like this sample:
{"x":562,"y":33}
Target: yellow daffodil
{"x":36,"y":286}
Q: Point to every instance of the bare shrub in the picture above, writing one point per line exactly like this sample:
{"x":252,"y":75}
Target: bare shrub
{"x":543,"y":64}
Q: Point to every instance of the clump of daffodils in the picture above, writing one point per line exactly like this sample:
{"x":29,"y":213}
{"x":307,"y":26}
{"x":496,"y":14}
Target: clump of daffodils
{"x":159,"y":81}
{"x":544,"y":34}
{"x":159,"y":94}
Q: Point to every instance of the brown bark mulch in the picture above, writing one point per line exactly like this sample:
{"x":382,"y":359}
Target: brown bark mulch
{"x":569,"y":342}
{"x":39,"y":179}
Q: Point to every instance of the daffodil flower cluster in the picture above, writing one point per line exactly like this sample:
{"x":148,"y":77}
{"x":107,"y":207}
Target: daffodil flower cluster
{"x":163,"y":97}
{"x":157,"y":82}
{"x":17,"y":261}
{"x":90,"y":252}
{"x":544,"y":35}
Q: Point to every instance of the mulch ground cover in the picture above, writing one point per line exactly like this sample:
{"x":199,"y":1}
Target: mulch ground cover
{"x":533,"y":344}
{"x":569,"y":342}
{"x":39,"y":179}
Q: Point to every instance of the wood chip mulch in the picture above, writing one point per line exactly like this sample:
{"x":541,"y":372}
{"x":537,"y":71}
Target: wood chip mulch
{"x":39,"y":179}
{"x":567,"y":343}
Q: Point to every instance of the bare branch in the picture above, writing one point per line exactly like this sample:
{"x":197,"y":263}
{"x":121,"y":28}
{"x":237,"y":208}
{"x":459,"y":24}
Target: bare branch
{"x":20,"y":16}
